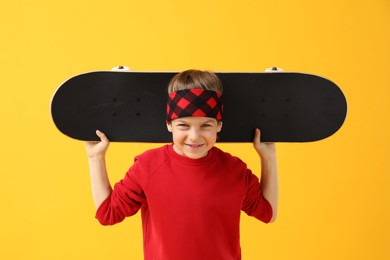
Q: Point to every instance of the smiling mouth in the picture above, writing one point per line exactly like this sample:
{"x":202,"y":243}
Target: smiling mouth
{"x":195,"y":146}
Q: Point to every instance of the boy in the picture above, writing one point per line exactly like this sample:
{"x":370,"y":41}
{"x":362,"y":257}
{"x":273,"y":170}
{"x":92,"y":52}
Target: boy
{"x":190,"y":193}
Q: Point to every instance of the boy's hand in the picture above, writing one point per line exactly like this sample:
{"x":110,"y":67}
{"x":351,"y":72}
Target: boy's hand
{"x":267,"y":151}
{"x":97,"y":150}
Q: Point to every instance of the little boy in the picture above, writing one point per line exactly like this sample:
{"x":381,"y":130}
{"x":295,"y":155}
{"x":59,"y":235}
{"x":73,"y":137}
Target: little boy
{"x":190,"y":193}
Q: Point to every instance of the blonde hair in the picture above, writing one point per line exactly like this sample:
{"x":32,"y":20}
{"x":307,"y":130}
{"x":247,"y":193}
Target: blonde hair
{"x":191,"y":79}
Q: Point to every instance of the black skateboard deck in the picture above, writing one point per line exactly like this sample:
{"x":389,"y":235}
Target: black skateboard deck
{"x":131,"y":106}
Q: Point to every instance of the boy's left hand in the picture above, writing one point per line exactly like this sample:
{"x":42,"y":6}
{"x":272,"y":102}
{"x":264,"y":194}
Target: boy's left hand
{"x":267,"y":151}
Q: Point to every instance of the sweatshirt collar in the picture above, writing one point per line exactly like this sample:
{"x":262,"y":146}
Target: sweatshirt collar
{"x":188,"y":161}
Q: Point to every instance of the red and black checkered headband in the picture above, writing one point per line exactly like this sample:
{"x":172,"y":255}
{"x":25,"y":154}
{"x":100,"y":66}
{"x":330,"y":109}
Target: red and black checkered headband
{"x":194,"y":102}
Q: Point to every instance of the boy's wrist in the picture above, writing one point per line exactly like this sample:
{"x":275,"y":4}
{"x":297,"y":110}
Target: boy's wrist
{"x":268,"y":159}
{"x":96,"y":158}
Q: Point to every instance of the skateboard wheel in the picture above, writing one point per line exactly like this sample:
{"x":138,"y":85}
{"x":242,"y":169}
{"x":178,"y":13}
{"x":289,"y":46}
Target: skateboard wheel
{"x":274,"y":69}
{"x":121,"y":68}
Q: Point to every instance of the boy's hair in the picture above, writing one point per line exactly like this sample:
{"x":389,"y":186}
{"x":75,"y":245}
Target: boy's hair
{"x":191,"y":79}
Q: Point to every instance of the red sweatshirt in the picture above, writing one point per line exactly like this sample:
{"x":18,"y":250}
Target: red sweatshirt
{"x":190,"y":208}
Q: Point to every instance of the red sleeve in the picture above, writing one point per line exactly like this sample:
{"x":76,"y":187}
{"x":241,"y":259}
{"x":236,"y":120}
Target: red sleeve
{"x":255,"y":204}
{"x":125,"y":200}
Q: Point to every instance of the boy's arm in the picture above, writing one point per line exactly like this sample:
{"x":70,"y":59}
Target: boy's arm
{"x":269,"y":172}
{"x":96,"y":151}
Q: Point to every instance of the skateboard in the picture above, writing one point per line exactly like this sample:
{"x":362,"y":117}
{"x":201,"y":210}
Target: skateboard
{"x":130,"y":106}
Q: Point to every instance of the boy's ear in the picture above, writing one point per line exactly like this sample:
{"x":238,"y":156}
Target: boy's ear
{"x":219,"y":127}
{"x":169,"y":126}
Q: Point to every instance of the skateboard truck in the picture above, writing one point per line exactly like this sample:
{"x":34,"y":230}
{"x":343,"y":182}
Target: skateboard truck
{"x":121,"y":68}
{"x":274,"y":69}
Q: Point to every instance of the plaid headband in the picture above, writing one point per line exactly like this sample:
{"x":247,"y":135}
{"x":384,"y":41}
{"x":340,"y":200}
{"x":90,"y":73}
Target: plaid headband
{"x":194,"y":102}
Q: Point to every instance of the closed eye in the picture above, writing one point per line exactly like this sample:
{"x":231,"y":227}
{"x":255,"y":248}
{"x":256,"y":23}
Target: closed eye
{"x":183,"y":125}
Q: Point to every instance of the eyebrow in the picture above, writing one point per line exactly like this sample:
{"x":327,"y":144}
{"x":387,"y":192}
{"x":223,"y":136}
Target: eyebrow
{"x":209,"y":121}
{"x":184,"y":121}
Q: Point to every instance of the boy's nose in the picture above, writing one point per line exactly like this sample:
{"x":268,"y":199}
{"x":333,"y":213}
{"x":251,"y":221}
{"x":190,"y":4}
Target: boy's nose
{"x":194,"y":134}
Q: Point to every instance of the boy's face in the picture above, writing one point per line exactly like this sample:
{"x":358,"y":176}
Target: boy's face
{"x":193,"y":137}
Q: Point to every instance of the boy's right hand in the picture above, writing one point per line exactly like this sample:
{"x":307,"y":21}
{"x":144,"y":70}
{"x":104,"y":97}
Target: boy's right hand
{"x":97,"y":150}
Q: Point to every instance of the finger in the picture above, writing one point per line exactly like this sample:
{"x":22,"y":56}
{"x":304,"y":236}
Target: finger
{"x":102,"y":136}
{"x":257,"y":136}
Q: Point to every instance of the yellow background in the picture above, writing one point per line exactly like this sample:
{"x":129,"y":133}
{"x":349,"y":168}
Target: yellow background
{"x":334,"y":194}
